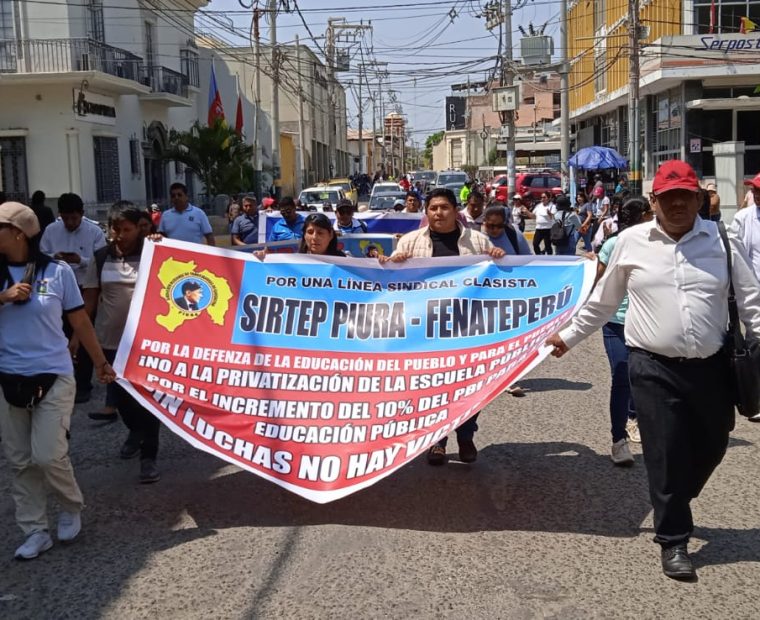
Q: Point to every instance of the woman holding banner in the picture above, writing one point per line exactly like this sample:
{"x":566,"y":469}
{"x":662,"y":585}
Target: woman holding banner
{"x":319,"y":236}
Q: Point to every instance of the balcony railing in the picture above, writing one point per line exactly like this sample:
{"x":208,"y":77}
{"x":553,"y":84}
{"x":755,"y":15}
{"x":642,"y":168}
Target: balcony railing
{"x":164,"y":80}
{"x":67,"y":55}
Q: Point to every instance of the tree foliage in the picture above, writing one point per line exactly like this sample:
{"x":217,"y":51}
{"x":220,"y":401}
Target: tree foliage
{"x":216,"y":154}
{"x":430,"y":142}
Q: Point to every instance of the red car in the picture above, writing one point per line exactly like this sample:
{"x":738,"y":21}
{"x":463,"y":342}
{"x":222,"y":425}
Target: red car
{"x":530,"y":185}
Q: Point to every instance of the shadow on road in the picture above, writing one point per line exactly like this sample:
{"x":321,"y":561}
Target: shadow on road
{"x":727,"y":546}
{"x":552,"y":487}
{"x":547,"y":385}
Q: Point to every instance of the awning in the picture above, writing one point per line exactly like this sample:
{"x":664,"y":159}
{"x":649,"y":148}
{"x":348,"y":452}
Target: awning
{"x":725,"y":103}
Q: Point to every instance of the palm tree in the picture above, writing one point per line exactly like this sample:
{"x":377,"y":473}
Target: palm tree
{"x":217,"y":154}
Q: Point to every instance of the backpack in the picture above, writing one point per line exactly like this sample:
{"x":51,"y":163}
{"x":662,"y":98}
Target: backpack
{"x":512,"y":236}
{"x":559,"y":233}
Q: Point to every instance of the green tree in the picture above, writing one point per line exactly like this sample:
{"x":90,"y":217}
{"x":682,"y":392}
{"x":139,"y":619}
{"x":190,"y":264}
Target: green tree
{"x":493,"y":157}
{"x":430,"y":142}
{"x":216,"y":154}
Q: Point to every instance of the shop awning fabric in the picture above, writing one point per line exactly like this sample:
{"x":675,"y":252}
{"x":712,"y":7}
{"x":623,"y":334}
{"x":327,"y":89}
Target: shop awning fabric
{"x":597,"y":158}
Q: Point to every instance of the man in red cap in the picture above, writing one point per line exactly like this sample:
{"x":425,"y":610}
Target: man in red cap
{"x":675,"y":274}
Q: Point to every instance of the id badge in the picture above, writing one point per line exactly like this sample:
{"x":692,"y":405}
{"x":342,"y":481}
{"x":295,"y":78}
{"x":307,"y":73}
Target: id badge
{"x":42,"y":287}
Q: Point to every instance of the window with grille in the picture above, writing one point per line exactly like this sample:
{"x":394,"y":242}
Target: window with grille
{"x":7,"y":38}
{"x":95,"y":22}
{"x":134,"y":156}
{"x":13,"y":167}
{"x":107,"y":177}
{"x":728,"y":14}
{"x":189,"y":64}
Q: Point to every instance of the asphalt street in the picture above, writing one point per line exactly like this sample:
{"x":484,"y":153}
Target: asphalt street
{"x":542,"y":526}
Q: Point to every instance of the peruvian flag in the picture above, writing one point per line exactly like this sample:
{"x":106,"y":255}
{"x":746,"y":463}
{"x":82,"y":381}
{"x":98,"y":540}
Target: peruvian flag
{"x":239,"y":117}
{"x":215,"y":107}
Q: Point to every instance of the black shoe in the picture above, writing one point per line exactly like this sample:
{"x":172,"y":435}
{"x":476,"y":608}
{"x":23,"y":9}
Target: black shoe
{"x":676,"y":563}
{"x":131,"y":447}
{"x":436,"y":455}
{"x":149,"y":471}
{"x":82,"y":397}
{"x":468,"y":453}
{"x":103,"y":416}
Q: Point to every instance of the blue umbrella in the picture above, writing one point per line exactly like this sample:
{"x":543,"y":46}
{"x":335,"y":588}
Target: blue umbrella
{"x":597,"y":158}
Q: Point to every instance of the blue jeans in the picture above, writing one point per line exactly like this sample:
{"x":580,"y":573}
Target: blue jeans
{"x":466,"y":431}
{"x":587,"y":237}
{"x":621,"y":403}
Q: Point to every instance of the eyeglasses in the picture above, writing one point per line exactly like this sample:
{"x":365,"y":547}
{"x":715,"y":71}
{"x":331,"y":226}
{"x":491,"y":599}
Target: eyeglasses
{"x":496,"y":226}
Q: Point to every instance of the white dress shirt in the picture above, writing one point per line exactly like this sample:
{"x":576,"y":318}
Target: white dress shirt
{"x":83,"y":241}
{"x":677,"y":292}
{"x":746,"y":228}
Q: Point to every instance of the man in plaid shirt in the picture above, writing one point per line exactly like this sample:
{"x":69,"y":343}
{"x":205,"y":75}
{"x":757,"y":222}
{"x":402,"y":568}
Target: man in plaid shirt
{"x":446,"y":236}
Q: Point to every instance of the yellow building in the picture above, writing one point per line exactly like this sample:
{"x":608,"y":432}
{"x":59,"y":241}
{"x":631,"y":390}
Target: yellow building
{"x":697,"y":80}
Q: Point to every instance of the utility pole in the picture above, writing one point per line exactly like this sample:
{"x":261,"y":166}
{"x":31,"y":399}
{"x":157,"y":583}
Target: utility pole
{"x":361,"y":123}
{"x":337,"y":27}
{"x":633,"y":97}
{"x":301,"y":132}
{"x":564,"y":99}
{"x":257,"y":111}
{"x":275,"y":101}
{"x":509,"y":120}
{"x":374,"y":133}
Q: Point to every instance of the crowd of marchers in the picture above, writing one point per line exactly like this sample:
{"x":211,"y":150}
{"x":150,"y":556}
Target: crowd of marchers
{"x":70,"y":284}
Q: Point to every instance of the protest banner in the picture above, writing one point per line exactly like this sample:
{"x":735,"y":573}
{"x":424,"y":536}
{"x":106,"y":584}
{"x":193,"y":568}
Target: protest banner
{"x":378,"y":222}
{"x":355,"y":245}
{"x":323,"y":374}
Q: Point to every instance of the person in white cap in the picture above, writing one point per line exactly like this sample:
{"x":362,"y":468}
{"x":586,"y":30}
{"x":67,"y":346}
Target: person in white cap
{"x":37,"y":377}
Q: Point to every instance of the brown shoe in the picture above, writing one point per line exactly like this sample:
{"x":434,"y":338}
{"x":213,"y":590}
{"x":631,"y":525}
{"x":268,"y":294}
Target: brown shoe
{"x":468,"y":453}
{"x":436,"y":455}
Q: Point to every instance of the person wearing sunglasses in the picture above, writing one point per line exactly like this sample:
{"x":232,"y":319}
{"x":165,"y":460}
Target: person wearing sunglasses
{"x":37,"y":377}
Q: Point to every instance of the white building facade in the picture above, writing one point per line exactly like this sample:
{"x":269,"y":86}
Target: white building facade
{"x":90,"y":91}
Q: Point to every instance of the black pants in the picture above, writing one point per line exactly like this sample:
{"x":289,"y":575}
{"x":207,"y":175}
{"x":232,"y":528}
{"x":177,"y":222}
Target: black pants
{"x":141,"y":423}
{"x":685,"y":411}
{"x":82,"y":364}
{"x":545,"y":235}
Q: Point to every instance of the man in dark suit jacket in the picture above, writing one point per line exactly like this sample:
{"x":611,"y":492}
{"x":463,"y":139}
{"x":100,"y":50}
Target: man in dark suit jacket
{"x":191,"y":296}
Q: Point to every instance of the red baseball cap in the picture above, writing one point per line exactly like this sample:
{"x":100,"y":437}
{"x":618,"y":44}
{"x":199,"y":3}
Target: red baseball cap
{"x":675,"y":174}
{"x":754,"y":182}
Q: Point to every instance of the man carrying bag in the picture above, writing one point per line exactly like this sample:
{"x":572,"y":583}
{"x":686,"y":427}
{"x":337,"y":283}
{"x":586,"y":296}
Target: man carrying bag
{"x":675,"y":273}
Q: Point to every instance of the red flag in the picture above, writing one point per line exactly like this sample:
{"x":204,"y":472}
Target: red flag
{"x":215,"y":107}
{"x":239,"y":117}
{"x":712,"y":17}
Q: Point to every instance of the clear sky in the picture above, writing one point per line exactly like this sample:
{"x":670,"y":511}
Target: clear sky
{"x":426,"y":50}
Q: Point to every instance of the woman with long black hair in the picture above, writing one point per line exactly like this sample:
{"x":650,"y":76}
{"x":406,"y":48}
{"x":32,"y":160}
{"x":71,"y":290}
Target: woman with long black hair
{"x":37,"y":377}
{"x":319,"y":236}
{"x":624,"y":427}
